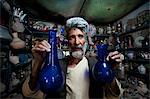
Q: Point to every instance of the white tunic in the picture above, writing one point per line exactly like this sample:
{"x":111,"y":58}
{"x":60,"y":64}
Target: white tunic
{"x":77,"y":81}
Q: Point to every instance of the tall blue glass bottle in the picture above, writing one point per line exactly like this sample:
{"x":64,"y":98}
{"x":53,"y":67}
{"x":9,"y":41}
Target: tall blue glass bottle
{"x":103,"y":71}
{"x":51,"y":78}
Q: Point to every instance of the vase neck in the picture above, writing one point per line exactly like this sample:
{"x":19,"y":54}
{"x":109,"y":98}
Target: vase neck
{"x":102,"y":52}
{"x":53,"y":58}
{"x":15,"y":35}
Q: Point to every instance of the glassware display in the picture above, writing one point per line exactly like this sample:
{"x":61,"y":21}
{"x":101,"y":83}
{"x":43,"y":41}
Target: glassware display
{"x":103,"y":71}
{"x":51,"y":78}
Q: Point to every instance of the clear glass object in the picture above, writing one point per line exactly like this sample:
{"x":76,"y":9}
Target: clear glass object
{"x":51,"y":77}
{"x":103,"y":71}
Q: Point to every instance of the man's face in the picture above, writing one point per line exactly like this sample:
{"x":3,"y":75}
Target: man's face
{"x":76,"y":39}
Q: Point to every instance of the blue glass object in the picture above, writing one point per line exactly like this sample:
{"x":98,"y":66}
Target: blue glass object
{"x":23,"y":58}
{"x":51,"y":78}
{"x":103,"y":71}
{"x":62,"y":30}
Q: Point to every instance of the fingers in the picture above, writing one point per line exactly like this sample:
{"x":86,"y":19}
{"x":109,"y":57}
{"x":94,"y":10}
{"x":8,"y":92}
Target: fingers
{"x":111,"y":54}
{"x":118,"y":57}
{"x":46,"y":44}
{"x":118,"y":60}
{"x":22,"y":17}
{"x":20,"y":13}
{"x":42,"y":46}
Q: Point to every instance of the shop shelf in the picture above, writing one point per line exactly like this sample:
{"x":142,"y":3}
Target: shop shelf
{"x":101,"y":35}
{"x":132,"y":49}
{"x":145,"y":61}
{"x":135,"y":30}
{"x":18,"y":66}
{"x":21,"y":51}
{"x":138,"y":49}
{"x":9,"y":91}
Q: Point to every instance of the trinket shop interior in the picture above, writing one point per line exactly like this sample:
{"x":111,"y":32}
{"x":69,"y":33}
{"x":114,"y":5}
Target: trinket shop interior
{"x":25,"y":23}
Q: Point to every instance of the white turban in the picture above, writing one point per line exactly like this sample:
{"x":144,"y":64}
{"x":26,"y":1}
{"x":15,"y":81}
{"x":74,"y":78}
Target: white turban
{"x":77,"y":22}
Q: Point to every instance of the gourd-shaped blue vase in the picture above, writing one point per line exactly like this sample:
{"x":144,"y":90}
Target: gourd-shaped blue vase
{"x":51,"y":78}
{"x":103,"y":71}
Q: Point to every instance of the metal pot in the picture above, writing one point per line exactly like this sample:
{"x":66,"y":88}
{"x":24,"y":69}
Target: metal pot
{"x":17,"y":43}
{"x":4,"y":33}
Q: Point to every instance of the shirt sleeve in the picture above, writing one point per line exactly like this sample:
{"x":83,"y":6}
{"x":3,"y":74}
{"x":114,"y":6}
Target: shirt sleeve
{"x":27,"y":92}
{"x":109,"y":94}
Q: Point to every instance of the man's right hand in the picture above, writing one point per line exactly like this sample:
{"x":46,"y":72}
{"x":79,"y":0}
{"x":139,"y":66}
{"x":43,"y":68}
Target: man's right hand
{"x":40,"y":49}
{"x":39,"y":53}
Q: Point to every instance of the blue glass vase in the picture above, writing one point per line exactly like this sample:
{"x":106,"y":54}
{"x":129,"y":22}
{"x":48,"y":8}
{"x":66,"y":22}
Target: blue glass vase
{"x":103,"y":71}
{"x":51,"y":77}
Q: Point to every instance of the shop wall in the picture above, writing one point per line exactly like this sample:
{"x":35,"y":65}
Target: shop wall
{"x":135,"y":13}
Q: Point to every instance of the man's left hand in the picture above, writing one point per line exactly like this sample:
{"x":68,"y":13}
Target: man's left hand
{"x":116,"y":56}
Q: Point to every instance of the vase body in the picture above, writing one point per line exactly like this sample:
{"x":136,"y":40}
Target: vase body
{"x":142,"y":69}
{"x":14,"y":59}
{"x":51,"y":78}
{"x":17,"y":43}
{"x":103,"y":71}
{"x":17,"y":25}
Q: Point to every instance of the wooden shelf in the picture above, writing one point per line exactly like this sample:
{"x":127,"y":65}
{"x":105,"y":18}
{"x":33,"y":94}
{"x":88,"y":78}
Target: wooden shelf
{"x":132,"y":49}
{"x":19,"y":66}
{"x":21,"y":51}
{"x":101,"y":35}
{"x":35,"y":32}
{"x":136,"y":49}
{"x":135,"y":30}
{"x":7,"y":92}
{"x":4,"y":47}
{"x":32,"y":30}
{"x":145,"y":61}
{"x":39,"y":33}
{"x":65,"y":49}
{"x":137,"y":74}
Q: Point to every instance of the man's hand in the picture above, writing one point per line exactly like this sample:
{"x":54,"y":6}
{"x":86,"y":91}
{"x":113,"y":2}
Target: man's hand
{"x":40,"y":49}
{"x":39,"y":53}
{"x":116,"y":56}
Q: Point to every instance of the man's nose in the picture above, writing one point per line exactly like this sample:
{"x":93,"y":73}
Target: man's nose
{"x":77,"y":41}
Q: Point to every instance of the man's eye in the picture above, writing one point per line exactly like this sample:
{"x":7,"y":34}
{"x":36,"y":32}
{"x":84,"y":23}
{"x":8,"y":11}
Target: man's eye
{"x":80,"y":36}
{"x":71,"y":37}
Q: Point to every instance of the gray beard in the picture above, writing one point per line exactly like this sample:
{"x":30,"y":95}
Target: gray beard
{"x":77,"y":54}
